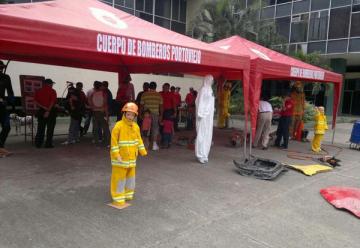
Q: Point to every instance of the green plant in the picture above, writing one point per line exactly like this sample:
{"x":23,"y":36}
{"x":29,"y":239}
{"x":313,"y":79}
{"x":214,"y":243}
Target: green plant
{"x":221,"y":19}
{"x":237,"y":100}
{"x":309,"y":112}
{"x":276,"y":102}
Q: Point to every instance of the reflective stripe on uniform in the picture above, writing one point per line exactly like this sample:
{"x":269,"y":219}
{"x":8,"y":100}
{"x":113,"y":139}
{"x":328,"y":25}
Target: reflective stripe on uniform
{"x":126,"y":164}
{"x":115,"y":149}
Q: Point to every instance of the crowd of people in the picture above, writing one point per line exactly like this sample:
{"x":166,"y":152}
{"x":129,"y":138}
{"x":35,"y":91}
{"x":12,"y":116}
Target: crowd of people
{"x":291,"y":121}
{"x":158,"y":112}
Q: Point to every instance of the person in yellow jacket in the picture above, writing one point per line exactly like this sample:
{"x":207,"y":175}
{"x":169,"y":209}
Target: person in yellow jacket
{"x":126,"y":143}
{"x":319,"y":128}
{"x":224,"y":102}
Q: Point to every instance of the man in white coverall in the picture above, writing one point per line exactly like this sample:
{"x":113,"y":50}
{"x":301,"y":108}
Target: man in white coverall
{"x":204,"y":119}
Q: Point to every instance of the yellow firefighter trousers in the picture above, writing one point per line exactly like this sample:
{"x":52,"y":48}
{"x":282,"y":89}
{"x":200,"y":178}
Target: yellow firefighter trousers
{"x":316,"y":142}
{"x":122,"y":184}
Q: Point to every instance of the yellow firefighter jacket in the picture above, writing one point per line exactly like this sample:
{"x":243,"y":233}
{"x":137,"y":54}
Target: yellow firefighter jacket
{"x":320,"y":123}
{"x":126,"y":142}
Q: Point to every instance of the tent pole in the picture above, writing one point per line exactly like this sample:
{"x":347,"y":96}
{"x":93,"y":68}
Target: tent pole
{"x":333,"y":135}
{"x":245,"y":134}
{"x":250,"y":142}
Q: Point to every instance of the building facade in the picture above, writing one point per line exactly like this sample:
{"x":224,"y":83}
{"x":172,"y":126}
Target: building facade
{"x":328,"y":27}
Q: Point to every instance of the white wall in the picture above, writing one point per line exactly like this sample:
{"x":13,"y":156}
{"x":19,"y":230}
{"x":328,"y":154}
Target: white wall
{"x":61,"y":74}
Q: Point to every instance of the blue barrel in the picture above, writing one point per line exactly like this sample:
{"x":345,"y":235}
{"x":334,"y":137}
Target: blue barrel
{"x":355,"y":134}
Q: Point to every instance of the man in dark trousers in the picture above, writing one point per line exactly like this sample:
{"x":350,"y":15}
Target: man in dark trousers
{"x":285,"y":121}
{"x":5,"y":86}
{"x":45,"y":98}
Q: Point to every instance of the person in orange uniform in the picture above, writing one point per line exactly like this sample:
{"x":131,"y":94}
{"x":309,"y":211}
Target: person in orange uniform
{"x":223,"y":103}
{"x":298,"y":97}
{"x":126,"y":143}
{"x":319,"y":128}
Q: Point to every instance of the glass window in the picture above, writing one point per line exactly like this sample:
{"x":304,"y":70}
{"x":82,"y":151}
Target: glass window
{"x":283,"y":1}
{"x":178,"y":27}
{"x":283,"y":26}
{"x":354,"y":45}
{"x":319,"y":47}
{"x":268,"y":2}
{"x":301,"y":6}
{"x":301,"y":47}
{"x":339,"y":23}
{"x":129,"y":3}
{"x":318,"y":25}
{"x":267,"y":13}
{"x":355,"y":27}
{"x":144,"y":16}
{"x":162,"y":22}
{"x":109,"y":2}
{"x":356,"y":2}
{"x":346,"y":104}
{"x":18,"y":1}
{"x":183,"y":10}
{"x":149,"y":6}
{"x":337,"y":46}
{"x":338,"y":3}
{"x":356,"y":8}
{"x":120,"y":2}
{"x":299,"y":29}
{"x":320,"y":4}
{"x":355,"y":109}
{"x":253,"y":2}
{"x":140,"y":5}
{"x":292,"y":49}
{"x":283,"y":10}
{"x":175,"y":9}
{"x":127,"y":10}
{"x":162,"y":8}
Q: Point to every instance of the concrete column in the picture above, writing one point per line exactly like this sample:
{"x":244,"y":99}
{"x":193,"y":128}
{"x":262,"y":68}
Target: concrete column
{"x":339,"y":66}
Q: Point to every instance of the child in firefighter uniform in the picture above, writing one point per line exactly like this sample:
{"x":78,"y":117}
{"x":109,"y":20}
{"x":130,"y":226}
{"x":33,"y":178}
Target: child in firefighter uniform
{"x":319,"y":129}
{"x":126,"y":143}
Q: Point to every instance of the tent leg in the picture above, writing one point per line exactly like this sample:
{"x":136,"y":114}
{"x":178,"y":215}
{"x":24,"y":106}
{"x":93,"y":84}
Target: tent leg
{"x":333,"y":135}
{"x":245,"y":138}
{"x":250,"y":142}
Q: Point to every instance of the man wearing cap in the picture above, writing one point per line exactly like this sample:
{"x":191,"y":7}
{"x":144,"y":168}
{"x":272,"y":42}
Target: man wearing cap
{"x":5,"y":85}
{"x":45,"y":98}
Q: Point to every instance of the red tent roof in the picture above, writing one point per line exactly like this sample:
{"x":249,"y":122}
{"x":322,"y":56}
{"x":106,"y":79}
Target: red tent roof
{"x":275,"y":65}
{"x":90,"y":34}
{"x":268,"y":64}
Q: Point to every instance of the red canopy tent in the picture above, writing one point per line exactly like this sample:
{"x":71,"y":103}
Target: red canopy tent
{"x":268,"y":64}
{"x":92,"y":35}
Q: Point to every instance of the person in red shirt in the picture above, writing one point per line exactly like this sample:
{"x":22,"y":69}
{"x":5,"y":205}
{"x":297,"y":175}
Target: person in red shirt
{"x":284,"y":122}
{"x":169,"y":105}
{"x":177,"y":98}
{"x":83,"y":104}
{"x":45,"y":99}
{"x":167,"y":132}
{"x":190,"y":105}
